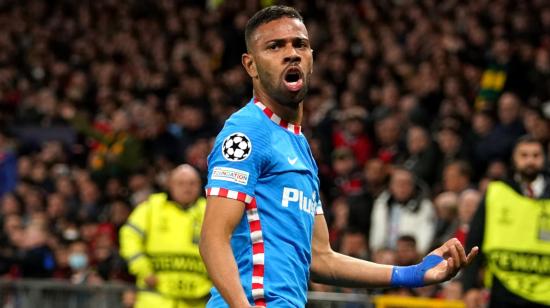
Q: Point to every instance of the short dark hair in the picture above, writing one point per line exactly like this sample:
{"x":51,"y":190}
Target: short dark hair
{"x":266,"y":15}
{"x":527,"y":139}
{"x":463,"y":166}
{"x":407,"y":238}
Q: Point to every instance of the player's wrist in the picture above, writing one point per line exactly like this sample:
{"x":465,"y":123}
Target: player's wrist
{"x":413,"y":276}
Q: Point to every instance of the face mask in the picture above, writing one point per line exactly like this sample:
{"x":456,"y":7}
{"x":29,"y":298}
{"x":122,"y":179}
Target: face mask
{"x":78,"y":261}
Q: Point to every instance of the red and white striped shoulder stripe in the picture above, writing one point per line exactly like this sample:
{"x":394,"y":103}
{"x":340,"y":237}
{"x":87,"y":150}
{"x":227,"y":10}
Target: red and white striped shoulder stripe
{"x":256,"y":237}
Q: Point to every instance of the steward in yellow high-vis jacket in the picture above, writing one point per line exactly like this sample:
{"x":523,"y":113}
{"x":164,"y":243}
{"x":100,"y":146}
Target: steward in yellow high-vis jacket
{"x":160,"y":243}
{"x":512,"y":229}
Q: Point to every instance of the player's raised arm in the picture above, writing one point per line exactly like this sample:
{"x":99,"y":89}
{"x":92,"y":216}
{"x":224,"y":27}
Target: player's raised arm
{"x":333,"y":268}
{"x":221,"y":218}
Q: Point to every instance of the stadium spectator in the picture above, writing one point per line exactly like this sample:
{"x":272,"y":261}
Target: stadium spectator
{"x":346,"y":178}
{"x":446,"y":204}
{"x":467,"y":206}
{"x":402,"y":210}
{"x":421,"y":154}
{"x":34,"y":259}
{"x":508,"y":226}
{"x":457,"y":176}
{"x":90,"y":203}
{"x":541,"y":75}
{"x":10,"y":205}
{"x":483,"y":124}
{"x":352,"y":134}
{"x":388,"y":132}
{"x":376,"y":174}
{"x":384,"y":256}
{"x":57,"y":212}
{"x":11,"y":233}
{"x":340,"y":216}
{"x":173,"y":67}
{"x":8,"y":165}
{"x":117,"y":152}
{"x":536,"y":125}
{"x":79,"y":262}
{"x":451,"y":290}
{"x":509,"y":115}
{"x":109,"y":265}
{"x":406,"y":251}
{"x":450,"y":144}
{"x":140,"y":187}
{"x":361,"y":203}
{"x":354,"y":244}
{"x":499,"y":141}
{"x":62,"y":269}
{"x":118,"y":212}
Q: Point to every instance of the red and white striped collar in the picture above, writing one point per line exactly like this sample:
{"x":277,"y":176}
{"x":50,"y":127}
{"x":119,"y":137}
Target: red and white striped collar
{"x":297,"y":129}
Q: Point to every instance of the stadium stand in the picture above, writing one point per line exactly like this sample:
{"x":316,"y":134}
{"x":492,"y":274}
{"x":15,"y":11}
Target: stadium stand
{"x":99,"y":100}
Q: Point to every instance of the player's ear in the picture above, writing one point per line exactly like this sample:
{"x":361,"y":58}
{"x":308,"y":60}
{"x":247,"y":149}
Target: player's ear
{"x":249,"y":65}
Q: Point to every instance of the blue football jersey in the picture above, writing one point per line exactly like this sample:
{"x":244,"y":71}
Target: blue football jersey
{"x":260,"y":159}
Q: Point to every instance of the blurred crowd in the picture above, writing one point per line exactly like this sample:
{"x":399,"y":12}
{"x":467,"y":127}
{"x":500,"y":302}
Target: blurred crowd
{"x":413,"y":107}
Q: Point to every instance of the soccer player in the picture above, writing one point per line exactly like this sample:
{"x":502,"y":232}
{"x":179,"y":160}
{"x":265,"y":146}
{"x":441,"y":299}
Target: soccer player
{"x":264,"y":229}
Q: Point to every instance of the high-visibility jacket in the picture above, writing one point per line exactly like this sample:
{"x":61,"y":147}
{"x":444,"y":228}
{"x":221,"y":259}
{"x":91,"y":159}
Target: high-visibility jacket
{"x":517,"y":242}
{"x":161,"y":238}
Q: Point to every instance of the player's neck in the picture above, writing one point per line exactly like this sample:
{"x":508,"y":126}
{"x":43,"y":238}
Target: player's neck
{"x":288,"y":113}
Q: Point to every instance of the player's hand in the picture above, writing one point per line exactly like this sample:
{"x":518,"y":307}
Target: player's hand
{"x":454,"y":259}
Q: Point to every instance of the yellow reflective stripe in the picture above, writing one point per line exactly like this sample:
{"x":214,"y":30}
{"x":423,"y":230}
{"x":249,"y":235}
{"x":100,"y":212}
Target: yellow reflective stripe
{"x":135,"y":257}
{"x":135,"y":228}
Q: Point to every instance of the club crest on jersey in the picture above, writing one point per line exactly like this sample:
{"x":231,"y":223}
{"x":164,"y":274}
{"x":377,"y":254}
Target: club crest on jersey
{"x":236,"y":147}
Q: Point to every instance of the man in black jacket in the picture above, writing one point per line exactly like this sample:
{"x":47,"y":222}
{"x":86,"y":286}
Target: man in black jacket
{"x":530,"y":181}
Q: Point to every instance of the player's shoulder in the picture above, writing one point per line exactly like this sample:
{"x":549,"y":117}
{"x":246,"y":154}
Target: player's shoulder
{"x":249,"y":120}
{"x":244,"y":134}
{"x":248,"y":115}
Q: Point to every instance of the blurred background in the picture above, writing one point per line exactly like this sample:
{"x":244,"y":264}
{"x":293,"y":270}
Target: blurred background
{"x":415,"y":102}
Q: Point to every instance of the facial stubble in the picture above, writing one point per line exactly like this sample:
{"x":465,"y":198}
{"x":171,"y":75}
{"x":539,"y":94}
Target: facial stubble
{"x":276,"y":90}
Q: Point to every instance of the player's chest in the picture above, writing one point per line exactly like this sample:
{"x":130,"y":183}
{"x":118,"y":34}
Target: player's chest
{"x":291,"y":155}
{"x":291,"y":181}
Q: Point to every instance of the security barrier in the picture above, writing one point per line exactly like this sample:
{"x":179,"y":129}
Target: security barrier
{"x":338,"y":300}
{"x":62,"y":294}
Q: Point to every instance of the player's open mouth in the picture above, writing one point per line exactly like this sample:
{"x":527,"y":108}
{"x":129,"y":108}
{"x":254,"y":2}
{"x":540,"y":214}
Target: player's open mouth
{"x":293,"y":79}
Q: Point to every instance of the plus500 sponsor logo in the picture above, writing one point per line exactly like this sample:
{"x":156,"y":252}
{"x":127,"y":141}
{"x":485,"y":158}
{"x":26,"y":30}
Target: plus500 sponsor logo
{"x":293,"y":196}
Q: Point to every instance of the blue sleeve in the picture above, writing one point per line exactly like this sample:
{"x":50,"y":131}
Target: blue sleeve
{"x":237,"y":157}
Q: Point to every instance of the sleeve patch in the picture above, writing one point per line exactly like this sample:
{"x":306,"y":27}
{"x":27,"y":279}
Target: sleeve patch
{"x":230,"y":174}
{"x":236,"y":147}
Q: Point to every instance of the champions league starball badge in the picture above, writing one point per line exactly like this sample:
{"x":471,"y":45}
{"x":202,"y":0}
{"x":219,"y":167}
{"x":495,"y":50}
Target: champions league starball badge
{"x":236,"y":147}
